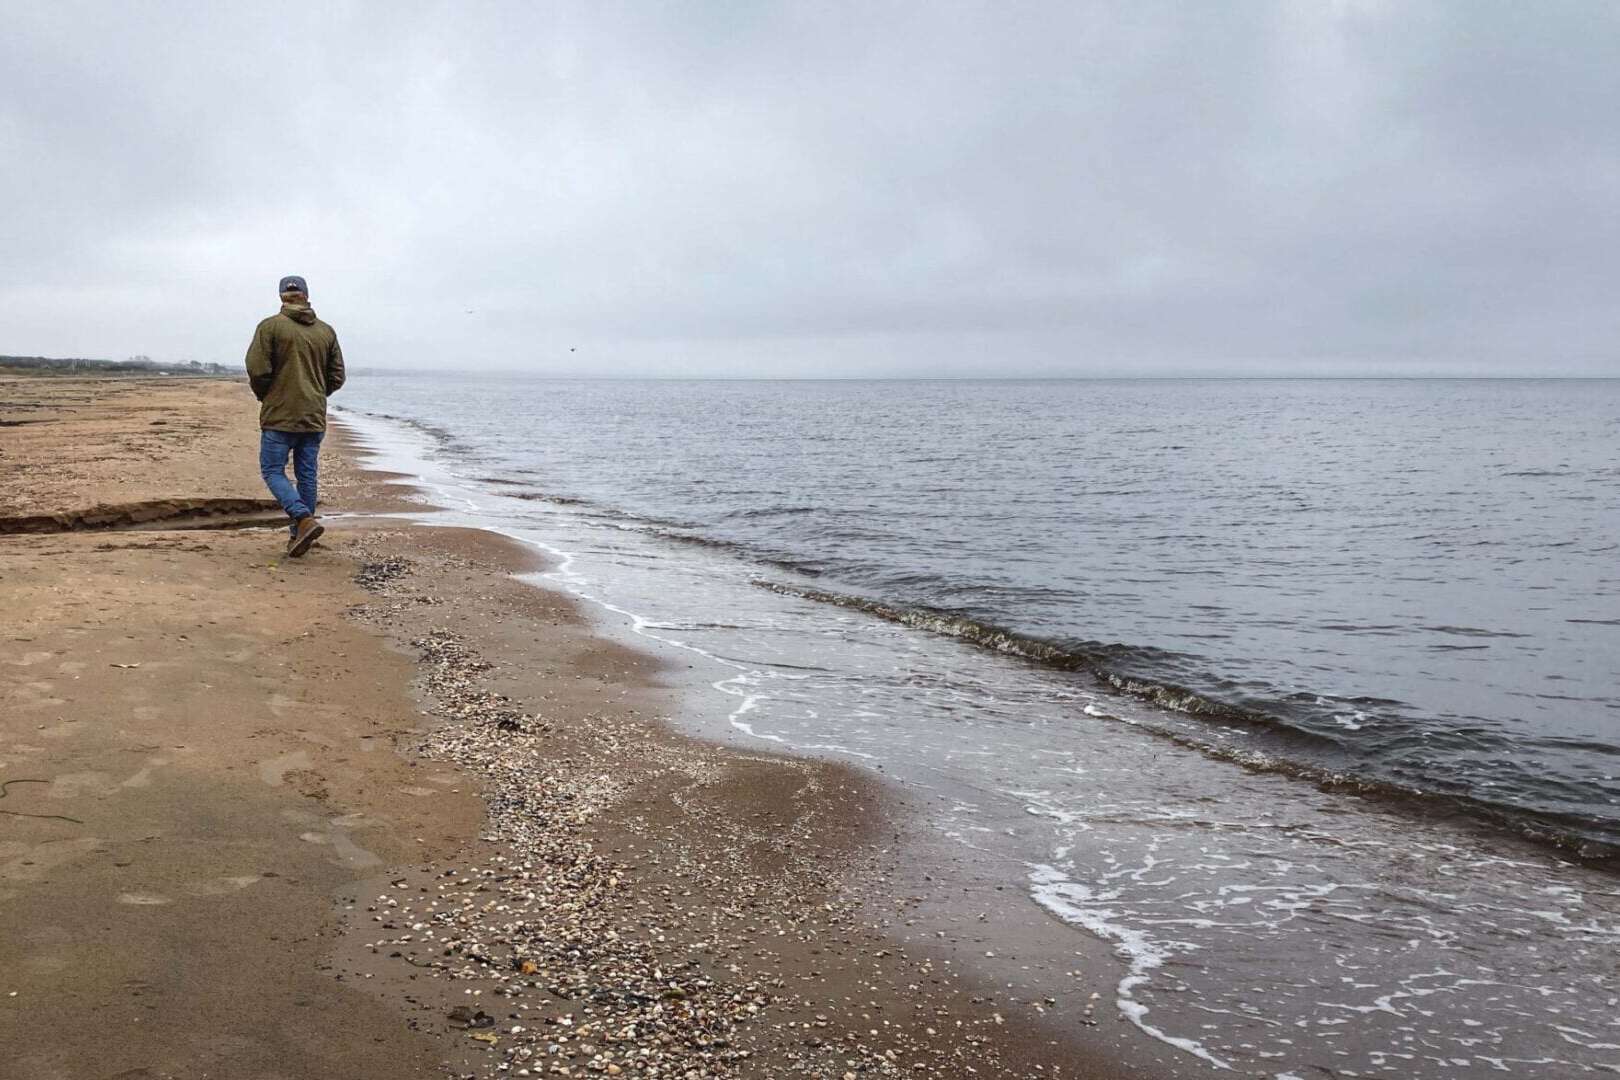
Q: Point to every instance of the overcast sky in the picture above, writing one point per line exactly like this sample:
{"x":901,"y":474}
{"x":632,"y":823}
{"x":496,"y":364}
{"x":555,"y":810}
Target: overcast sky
{"x":822,"y":189}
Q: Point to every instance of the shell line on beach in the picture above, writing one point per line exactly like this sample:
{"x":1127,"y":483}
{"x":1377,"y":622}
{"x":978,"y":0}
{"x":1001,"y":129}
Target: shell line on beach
{"x":575,"y":954}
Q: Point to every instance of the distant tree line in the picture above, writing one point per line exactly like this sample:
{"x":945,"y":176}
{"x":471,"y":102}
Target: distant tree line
{"x":143,"y":365}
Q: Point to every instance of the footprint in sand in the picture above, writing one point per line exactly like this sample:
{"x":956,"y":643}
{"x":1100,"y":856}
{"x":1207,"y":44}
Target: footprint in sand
{"x":250,"y":649}
{"x":274,"y":771}
{"x":223,"y":886}
{"x":75,"y":785}
{"x":30,"y":862}
{"x":335,"y":832}
{"x":144,"y":777}
{"x":46,"y":964}
{"x":37,"y":695}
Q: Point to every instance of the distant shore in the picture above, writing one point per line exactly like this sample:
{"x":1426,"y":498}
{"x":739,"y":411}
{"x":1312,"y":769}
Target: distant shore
{"x":237,"y":842}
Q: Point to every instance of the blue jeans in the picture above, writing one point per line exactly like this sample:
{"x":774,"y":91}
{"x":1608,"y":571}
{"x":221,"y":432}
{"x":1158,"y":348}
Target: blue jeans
{"x":304,"y":448}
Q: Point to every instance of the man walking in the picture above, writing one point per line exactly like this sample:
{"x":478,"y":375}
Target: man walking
{"x":293,"y":364}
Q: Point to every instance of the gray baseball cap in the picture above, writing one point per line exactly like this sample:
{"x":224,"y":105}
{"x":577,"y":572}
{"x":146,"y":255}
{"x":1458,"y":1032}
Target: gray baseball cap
{"x":293,"y":283}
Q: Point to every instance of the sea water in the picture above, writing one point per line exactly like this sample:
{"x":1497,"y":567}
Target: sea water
{"x":1302,"y":695}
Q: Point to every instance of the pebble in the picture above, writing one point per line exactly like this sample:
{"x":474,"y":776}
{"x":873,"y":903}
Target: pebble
{"x":586,"y":966}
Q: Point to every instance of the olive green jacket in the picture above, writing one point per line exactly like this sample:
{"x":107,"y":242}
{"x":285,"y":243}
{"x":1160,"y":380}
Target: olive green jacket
{"x":293,"y":364}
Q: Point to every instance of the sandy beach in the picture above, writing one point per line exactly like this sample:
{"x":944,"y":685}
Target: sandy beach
{"x":387,"y":811}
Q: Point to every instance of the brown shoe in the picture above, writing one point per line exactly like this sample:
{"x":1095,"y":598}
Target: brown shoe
{"x":309,"y":530}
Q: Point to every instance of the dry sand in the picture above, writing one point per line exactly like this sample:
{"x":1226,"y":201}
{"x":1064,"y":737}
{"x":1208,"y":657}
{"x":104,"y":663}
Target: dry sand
{"x":388,"y":811}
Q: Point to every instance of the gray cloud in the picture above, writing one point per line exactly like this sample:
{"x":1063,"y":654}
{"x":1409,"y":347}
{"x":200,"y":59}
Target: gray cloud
{"x":1357,"y":187}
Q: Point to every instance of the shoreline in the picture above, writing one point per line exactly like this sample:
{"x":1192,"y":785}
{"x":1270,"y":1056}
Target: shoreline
{"x":265,"y":737}
{"x":1181,"y":716}
{"x":1244,"y":904}
{"x":855,"y":836}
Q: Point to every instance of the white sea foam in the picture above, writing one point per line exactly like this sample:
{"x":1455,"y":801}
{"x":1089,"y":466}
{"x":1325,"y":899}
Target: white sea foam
{"x":1353,"y":721}
{"x":1075,"y":903}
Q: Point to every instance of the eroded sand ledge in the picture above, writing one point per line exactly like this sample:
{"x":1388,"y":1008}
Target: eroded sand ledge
{"x":252,"y":830}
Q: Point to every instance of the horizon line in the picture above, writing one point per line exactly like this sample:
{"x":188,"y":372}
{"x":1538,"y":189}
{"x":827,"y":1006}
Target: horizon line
{"x":987,"y":378}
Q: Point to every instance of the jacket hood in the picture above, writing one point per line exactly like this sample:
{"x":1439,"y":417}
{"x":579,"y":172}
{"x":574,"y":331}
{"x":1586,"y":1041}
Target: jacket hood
{"x":299,"y":312}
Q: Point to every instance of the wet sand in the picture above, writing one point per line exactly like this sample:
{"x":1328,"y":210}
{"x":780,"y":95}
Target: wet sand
{"x":388,"y":811}
{"x":186,"y":786}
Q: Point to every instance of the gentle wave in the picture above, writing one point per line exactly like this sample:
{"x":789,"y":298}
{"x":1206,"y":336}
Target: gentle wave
{"x":1138,"y":672}
{"x":1122,"y":669}
{"x":1544,"y":787}
{"x":1593,"y":841}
